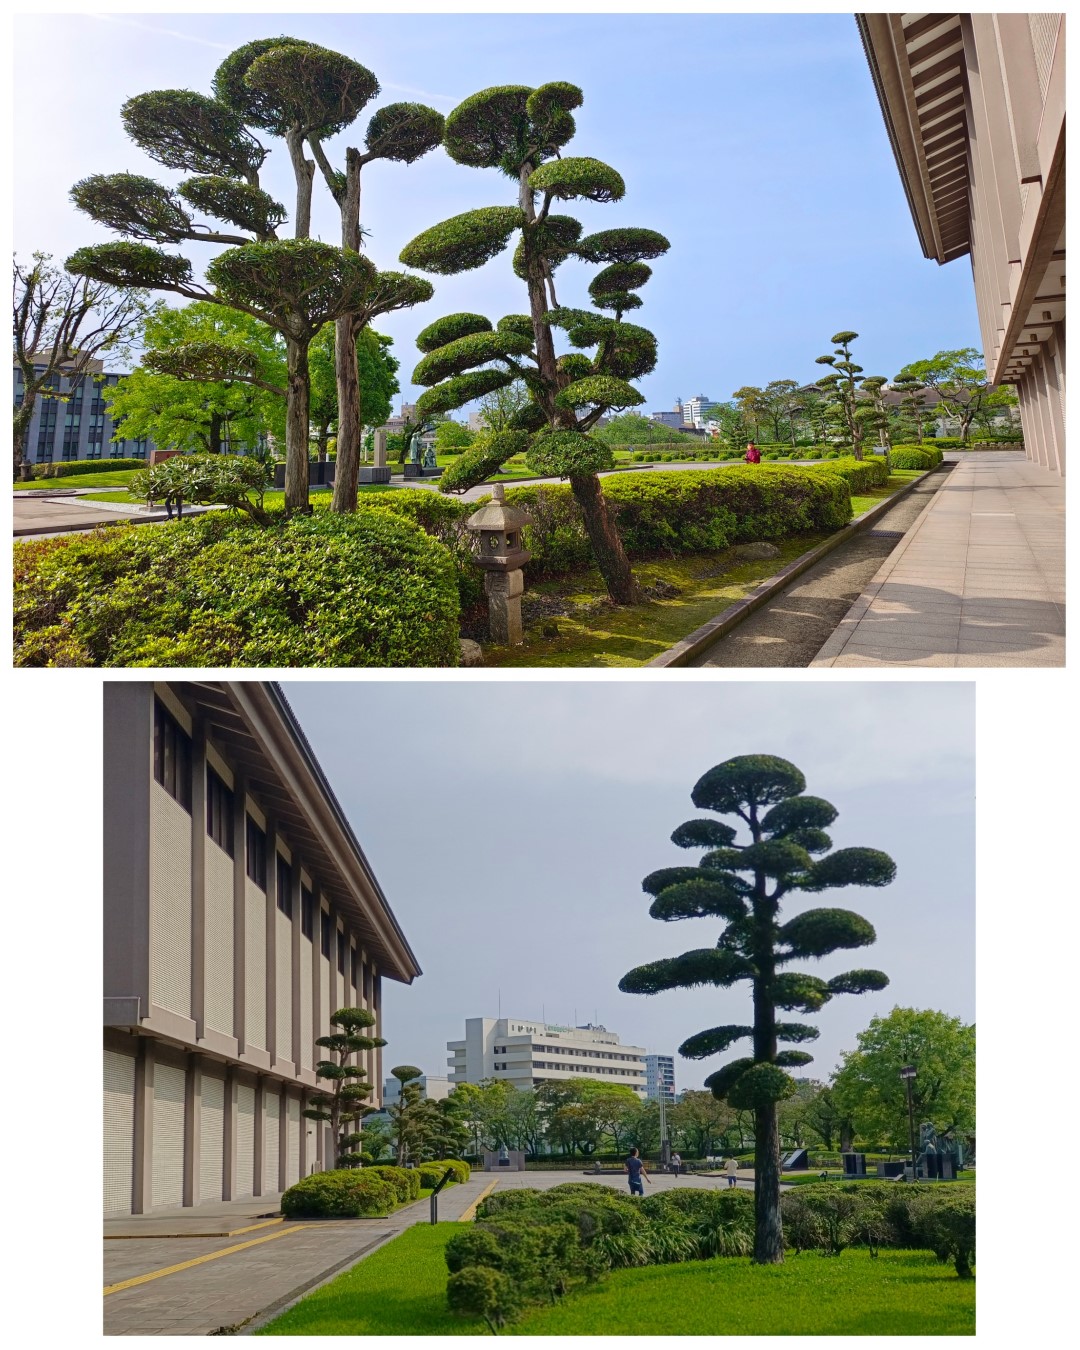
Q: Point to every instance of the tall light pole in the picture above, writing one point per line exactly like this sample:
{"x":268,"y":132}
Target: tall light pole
{"x":907,"y":1074}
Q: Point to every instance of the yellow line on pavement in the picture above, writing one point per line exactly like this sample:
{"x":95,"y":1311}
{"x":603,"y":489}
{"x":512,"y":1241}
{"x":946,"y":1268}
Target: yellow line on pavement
{"x":470,"y":1213}
{"x":198,"y":1260}
{"x":150,"y":1237}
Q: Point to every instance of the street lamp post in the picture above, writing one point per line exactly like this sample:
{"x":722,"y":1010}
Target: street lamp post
{"x":907,"y":1073}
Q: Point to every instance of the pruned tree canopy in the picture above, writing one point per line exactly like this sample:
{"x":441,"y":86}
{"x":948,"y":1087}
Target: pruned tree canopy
{"x":189,"y":131}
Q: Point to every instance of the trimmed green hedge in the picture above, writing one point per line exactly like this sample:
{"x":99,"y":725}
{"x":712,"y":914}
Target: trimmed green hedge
{"x":366,"y":589}
{"x":68,"y":468}
{"x":407,"y":1183}
{"x":350,"y":1194}
{"x":915,"y":457}
{"x":860,"y":474}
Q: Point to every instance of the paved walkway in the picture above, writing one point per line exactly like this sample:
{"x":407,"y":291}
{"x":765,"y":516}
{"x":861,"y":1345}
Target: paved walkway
{"x":218,"y":1277}
{"x":978,"y":581}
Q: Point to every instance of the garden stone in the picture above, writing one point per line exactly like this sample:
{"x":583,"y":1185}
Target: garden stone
{"x":471,"y":653}
{"x":759,"y":552}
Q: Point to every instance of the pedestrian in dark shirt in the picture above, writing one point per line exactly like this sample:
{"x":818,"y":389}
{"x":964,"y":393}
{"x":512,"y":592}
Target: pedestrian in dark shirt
{"x":636,"y":1169}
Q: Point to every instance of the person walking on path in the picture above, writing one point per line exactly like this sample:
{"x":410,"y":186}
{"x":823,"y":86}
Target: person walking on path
{"x":676,"y":1163}
{"x":636,"y":1168}
{"x":753,"y":454}
{"x":731,"y":1168}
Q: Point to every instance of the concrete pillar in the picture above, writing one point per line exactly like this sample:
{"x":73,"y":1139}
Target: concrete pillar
{"x":380,"y":448}
{"x":283,"y":1138}
{"x":239,"y":913}
{"x":142,"y":1189}
{"x":260,"y":1134}
{"x":271,"y":938}
{"x":192,"y":1130}
{"x":504,"y":606}
{"x":294,"y":963}
{"x":198,"y":878}
{"x":228,"y":1181}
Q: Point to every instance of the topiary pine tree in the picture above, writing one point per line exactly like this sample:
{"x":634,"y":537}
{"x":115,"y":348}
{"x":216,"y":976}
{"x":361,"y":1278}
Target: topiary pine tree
{"x":789,"y":851}
{"x":306,"y":94}
{"x":521,"y":131}
{"x":345,"y":1104}
{"x":402,"y":1111}
{"x":843,"y":384}
{"x":295,"y":285}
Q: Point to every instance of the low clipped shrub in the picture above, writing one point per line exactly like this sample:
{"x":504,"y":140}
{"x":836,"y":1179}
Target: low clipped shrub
{"x":946,"y":1224}
{"x":461,"y":1169}
{"x":347,"y":1194}
{"x":860,"y":474}
{"x":925,"y":456}
{"x":481,"y":1291}
{"x":69,"y":468}
{"x":366,"y":589}
{"x":406,"y":1182}
{"x":693,"y":511}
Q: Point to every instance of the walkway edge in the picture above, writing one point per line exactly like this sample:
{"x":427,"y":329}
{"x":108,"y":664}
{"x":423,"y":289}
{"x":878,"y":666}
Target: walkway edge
{"x":468,"y":1214}
{"x":687,"y":648}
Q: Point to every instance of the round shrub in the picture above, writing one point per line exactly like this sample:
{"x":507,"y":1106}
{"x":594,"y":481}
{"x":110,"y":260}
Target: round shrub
{"x":461,"y":1169}
{"x":406,"y":1183}
{"x":910,"y":459}
{"x":343,"y":1194}
{"x":479,"y":1291}
{"x":366,"y":589}
{"x":861,"y":474}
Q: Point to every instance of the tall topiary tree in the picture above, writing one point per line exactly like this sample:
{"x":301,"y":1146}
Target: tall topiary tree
{"x":307,"y":94}
{"x":345,"y":1103}
{"x":403,"y":1111}
{"x":521,"y":131}
{"x":743,"y":883}
{"x":843,"y":385}
{"x":295,"y":90}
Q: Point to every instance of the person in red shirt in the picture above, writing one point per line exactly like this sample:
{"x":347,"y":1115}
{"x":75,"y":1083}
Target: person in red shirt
{"x":753,"y":454}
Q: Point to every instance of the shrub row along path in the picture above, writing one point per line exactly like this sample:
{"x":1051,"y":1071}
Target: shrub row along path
{"x":226,"y":1267}
{"x":791,"y":629}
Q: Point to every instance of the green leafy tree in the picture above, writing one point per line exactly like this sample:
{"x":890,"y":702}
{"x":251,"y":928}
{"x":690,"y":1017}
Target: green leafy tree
{"x":344,"y":1104}
{"x":236,"y":481}
{"x":701,"y":1122}
{"x":753,"y":407}
{"x":868,"y":1085}
{"x":451,"y":437}
{"x":202,"y":415}
{"x":843,"y":386}
{"x":744,"y":884}
{"x":521,"y":132}
{"x":485,"y":1106}
{"x":61,"y":325}
{"x":784,"y":404}
{"x":873,"y":412}
{"x":633,"y":429}
{"x":959,"y":380}
{"x":377,"y":370}
{"x":912,"y":409}
{"x":376,"y":1140}
{"x":500,"y":407}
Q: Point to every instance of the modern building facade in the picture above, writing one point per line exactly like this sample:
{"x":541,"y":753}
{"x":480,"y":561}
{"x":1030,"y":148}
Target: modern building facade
{"x":696,"y":409}
{"x":526,"y":1054}
{"x":432,"y":1089}
{"x":77,"y":426}
{"x":660,"y":1077}
{"x":974,"y":105}
{"x":240,"y":913}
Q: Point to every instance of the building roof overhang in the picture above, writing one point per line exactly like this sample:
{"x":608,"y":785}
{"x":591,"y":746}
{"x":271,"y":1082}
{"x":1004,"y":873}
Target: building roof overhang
{"x":259,"y":733}
{"x":918,"y":67}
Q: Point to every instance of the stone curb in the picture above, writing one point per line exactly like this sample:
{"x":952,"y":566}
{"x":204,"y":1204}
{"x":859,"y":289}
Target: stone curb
{"x":703,"y":637}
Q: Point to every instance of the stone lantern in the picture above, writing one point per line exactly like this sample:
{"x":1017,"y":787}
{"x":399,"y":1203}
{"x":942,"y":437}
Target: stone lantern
{"x":501,"y":556}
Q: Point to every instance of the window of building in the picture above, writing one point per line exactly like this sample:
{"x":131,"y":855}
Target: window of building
{"x":327,"y":934}
{"x":354,"y":966}
{"x":256,"y":854}
{"x":367,"y":984}
{"x":307,"y":912}
{"x":172,"y":756}
{"x":219,"y":812}
{"x":342,"y":944}
{"x":284,"y":887}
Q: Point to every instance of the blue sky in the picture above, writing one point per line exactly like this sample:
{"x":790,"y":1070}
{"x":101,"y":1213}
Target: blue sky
{"x":754,"y":142}
{"x":511,"y":824}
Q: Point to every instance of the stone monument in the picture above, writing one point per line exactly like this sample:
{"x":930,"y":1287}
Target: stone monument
{"x":379,"y":470}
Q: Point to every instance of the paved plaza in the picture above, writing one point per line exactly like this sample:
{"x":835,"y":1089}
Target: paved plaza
{"x":188,"y":1272}
{"x":979,"y":580}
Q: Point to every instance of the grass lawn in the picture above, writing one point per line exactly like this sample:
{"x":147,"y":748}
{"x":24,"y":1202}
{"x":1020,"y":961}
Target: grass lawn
{"x":400,"y":1290}
{"x":596,"y":633}
{"x":119,"y":479}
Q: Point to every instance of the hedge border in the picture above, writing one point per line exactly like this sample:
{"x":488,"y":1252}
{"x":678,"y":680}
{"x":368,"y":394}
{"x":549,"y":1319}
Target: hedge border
{"x":688,"y":647}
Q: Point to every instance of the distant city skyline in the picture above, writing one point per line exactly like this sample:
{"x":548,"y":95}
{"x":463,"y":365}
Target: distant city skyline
{"x":795,"y":225}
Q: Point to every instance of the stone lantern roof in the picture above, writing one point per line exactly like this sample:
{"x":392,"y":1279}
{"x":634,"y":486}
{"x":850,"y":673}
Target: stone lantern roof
{"x":496,"y":515}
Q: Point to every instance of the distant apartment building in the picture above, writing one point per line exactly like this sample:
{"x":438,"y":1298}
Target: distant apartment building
{"x":974,"y":105}
{"x":660,"y":1077}
{"x":669,"y":419}
{"x":526,"y":1054}
{"x":239,"y":913}
{"x":77,"y":426}
{"x":432,"y":1089}
{"x":696,"y":409}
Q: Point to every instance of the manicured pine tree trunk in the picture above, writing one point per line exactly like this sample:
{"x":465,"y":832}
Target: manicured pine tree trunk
{"x":768,"y":1229}
{"x":604,"y":540}
{"x":298,"y":398}
{"x":346,"y":470}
